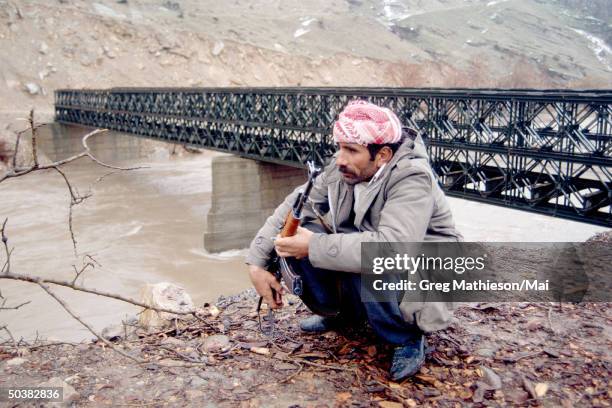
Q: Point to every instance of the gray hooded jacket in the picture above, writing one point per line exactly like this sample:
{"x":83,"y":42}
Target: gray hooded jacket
{"x":405,"y":204}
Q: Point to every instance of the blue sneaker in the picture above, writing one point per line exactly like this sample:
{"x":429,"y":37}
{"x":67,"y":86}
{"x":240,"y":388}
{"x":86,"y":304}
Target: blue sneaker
{"x":408,"y":359}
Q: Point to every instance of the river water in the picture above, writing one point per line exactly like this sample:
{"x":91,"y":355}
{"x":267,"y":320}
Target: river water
{"x":141,"y":226}
{"x":147,"y":225}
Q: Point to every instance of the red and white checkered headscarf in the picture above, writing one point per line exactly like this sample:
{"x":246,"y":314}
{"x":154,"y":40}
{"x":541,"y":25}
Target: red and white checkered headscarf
{"x":364,"y":123}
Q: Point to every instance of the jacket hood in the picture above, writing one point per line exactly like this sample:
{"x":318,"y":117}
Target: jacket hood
{"x":411,"y":147}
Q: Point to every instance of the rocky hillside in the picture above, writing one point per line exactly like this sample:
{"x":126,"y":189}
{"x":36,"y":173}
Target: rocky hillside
{"x":45,"y":45}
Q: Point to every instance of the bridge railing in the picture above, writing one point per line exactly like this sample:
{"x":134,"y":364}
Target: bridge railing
{"x":547,"y":151}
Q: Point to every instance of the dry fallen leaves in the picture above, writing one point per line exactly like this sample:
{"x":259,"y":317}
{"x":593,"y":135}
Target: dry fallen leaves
{"x":343,"y":396}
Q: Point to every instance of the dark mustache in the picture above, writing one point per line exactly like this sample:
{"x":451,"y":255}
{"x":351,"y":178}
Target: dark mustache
{"x":345,"y":169}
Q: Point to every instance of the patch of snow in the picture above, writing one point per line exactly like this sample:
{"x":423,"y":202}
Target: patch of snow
{"x":392,"y":11}
{"x":307,"y":21}
{"x":107,"y":11}
{"x":602,"y":51}
{"x":492,"y":3}
{"x":300,"y":32}
{"x":594,"y":19}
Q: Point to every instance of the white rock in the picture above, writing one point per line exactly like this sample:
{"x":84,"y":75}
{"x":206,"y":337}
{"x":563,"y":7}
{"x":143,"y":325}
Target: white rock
{"x":163,"y":295}
{"x":32,"y":88}
{"x":44,"y":48}
{"x":280,"y":48}
{"x":70,"y":394}
{"x":218,"y":47}
{"x":108,"y":52}
{"x":215,"y":343}
{"x":14,"y":362}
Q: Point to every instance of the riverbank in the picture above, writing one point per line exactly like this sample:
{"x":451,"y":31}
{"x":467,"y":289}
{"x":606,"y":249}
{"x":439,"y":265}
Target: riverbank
{"x":560,"y":358}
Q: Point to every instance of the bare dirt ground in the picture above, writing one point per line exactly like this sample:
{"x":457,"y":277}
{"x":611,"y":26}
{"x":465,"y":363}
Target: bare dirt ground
{"x":521,"y":354}
{"x":46,"y":45}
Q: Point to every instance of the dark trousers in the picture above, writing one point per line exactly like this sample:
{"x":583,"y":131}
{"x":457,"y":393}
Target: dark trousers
{"x":342,"y":292}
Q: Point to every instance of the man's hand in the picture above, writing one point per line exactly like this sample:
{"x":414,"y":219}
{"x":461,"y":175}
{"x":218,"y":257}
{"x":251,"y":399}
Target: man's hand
{"x":295,"y":246}
{"x":264,"y":282}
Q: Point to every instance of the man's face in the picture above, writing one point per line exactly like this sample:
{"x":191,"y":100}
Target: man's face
{"x":354,"y":163}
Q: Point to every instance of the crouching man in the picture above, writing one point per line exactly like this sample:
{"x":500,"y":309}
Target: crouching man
{"x":379,"y":187}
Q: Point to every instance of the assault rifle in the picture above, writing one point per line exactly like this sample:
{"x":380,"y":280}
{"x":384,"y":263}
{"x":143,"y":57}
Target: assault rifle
{"x":279,"y":266}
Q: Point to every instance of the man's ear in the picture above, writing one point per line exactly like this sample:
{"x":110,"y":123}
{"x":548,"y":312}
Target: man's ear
{"x":384,"y":155}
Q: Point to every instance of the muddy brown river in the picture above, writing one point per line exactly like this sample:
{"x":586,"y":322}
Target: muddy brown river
{"x":141,"y":226}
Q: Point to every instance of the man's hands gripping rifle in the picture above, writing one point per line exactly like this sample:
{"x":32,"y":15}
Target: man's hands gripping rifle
{"x":268,"y":283}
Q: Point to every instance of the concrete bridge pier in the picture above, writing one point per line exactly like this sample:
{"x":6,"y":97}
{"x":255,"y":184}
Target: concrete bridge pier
{"x":244,"y":193}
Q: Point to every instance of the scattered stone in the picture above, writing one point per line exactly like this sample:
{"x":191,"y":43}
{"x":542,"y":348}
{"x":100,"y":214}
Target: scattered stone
{"x":198,"y":382}
{"x":32,"y":88}
{"x":215,"y":343}
{"x":264,"y":351}
{"x":70,"y":395}
{"x":534,"y":325}
{"x":517,"y":396}
{"x":108,"y":52}
{"x":68,"y":51}
{"x":541,"y":389}
{"x":280,"y":48}
{"x":172,"y":5}
{"x":485,"y":352}
{"x":217,"y":48}
{"x":163,"y":295}
{"x":491,"y":378}
{"x":15,"y":362}
{"x":192,"y":395}
{"x":107,"y":11}
{"x":44,"y":48}
{"x":86,"y":59}
{"x":173,"y":341}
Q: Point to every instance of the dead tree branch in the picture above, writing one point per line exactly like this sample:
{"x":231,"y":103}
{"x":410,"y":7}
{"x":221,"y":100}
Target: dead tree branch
{"x":34,"y":147}
{"x":3,"y":307}
{"x":84,"y":267}
{"x":16,"y":150}
{"x":75,"y":199}
{"x":21,"y":171}
{"x":87,"y":326}
{"x":10,"y":336}
{"x":6,"y":268}
{"x":67,"y":284}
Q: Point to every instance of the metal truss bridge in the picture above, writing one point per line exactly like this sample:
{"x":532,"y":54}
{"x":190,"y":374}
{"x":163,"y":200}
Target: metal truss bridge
{"x":546,"y":151}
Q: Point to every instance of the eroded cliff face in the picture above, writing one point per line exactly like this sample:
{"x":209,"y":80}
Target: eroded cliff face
{"x":523,"y":43}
